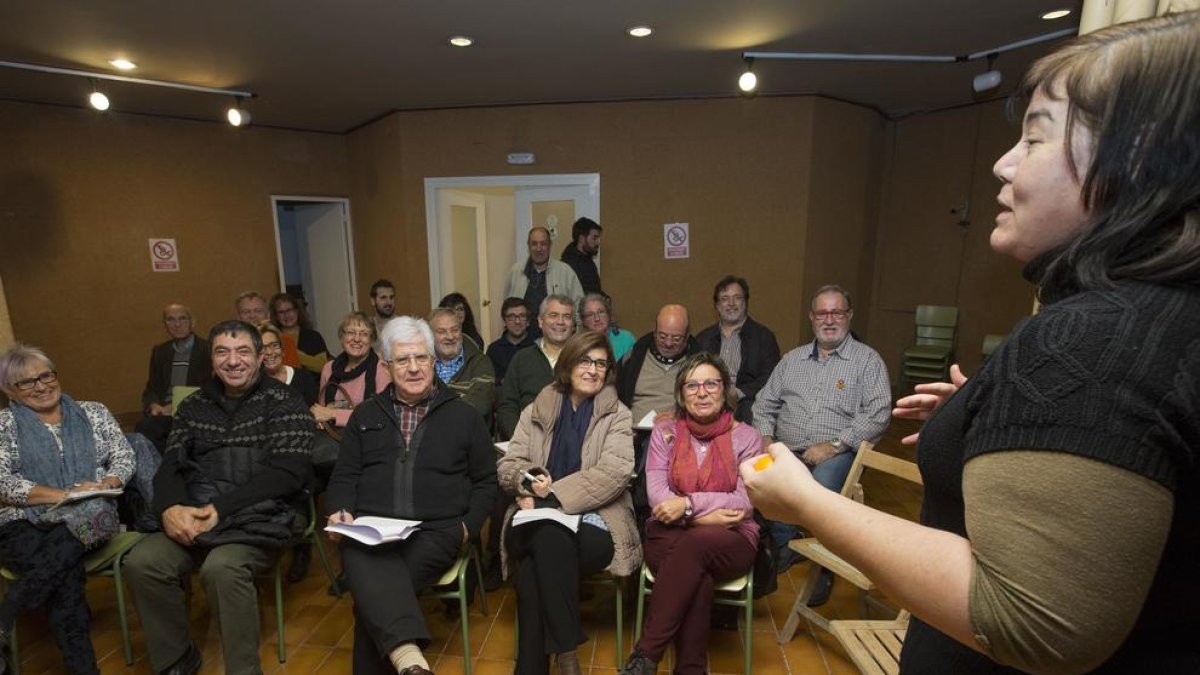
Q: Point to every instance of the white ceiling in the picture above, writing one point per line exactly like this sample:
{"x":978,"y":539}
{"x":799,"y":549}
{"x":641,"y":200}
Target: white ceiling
{"x":333,"y":65}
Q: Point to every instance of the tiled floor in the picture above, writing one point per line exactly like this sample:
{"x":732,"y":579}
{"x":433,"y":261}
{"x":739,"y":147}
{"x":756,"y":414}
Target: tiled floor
{"x":319,"y":627}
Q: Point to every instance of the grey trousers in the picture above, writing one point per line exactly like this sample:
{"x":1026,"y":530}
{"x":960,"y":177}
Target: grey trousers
{"x":155,"y":568}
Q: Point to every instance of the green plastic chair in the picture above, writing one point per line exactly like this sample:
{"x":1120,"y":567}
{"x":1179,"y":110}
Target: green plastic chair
{"x":737,"y":592}
{"x":928,"y":360}
{"x":105,"y":561}
{"x":453,"y":586}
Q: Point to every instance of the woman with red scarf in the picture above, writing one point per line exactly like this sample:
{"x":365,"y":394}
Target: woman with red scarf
{"x":701,"y":530}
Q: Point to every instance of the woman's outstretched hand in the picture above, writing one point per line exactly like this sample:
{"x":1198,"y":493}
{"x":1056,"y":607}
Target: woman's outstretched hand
{"x":776,"y":486}
{"x":928,"y":397}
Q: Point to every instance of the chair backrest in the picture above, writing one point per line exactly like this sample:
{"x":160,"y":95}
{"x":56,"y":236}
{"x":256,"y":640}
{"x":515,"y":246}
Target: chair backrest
{"x":178,"y":393}
{"x":990,"y":342}
{"x":868,"y":456}
{"x":935,"y":325}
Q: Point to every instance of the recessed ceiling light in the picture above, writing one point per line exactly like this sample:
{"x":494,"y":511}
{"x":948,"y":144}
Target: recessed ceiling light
{"x":640,"y":31}
{"x":1056,"y":14}
{"x":461,"y":41}
{"x":123,"y":64}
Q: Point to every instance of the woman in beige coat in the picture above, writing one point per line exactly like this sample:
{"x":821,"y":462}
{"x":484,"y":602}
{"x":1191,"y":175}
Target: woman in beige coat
{"x":572,"y":451}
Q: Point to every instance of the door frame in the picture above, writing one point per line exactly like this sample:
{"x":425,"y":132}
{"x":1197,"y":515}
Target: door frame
{"x":591,"y":181}
{"x":345,"y":204}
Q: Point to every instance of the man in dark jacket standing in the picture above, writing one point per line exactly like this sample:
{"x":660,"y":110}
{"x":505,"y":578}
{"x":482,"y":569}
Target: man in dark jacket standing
{"x":580,"y":254}
{"x":416,"y":451}
{"x":748,"y":348}
{"x":239,"y":454}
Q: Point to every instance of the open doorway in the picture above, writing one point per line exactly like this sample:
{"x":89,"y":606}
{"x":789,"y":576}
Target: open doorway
{"x":477,"y":227}
{"x":315,"y":250}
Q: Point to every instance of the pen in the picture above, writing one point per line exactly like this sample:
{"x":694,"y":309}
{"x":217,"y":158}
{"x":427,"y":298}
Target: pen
{"x":342,"y":515}
{"x":532,"y":478}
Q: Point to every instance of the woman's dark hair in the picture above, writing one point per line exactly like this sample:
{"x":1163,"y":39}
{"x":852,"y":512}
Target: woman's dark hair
{"x":1135,"y":90}
{"x":574,"y":349}
{"x":468,"y":322}
{"x":301,"y":315}
{"x":693,"y":362}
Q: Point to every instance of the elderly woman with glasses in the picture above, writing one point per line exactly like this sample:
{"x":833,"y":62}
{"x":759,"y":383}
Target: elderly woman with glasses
{"x":596,"y":313}
{"x":415,"y":452}
{"x":51,"y":445}
{"x":701,"y":530}
{"x":572,"y":450}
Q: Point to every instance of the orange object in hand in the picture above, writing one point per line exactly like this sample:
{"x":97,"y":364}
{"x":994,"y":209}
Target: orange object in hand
{"x":763,"y":462}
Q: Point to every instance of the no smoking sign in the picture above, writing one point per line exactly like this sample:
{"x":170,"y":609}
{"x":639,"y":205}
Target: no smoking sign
{"x":164,"y":256}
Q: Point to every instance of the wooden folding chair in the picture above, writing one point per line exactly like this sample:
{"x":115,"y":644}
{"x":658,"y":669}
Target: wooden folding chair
{"x":873,"y":646}
{"x":822,"y":557}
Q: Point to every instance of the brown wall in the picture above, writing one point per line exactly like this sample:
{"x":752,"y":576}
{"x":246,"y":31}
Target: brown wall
{"x":81,"y":193}
{"x":924,"y":255}
{"x":739,"y":171}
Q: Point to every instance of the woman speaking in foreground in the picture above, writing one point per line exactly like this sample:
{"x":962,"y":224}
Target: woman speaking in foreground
{"x":1060,"y":523}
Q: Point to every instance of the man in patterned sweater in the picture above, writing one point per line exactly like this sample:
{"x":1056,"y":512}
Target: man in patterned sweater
{"x":239,"y":454}
{"x":822,"y":400}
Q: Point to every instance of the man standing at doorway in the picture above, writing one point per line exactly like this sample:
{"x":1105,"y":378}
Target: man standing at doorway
{"x":539,"y":276}
{"x":580,"y":254}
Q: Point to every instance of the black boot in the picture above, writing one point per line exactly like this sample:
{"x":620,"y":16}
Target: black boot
{"x":301,"y":556}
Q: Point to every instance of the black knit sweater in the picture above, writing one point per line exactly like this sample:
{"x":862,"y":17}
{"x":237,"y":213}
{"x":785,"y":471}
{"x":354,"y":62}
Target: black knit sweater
{"x":1113,"y":376}
{"x":270,"y":415}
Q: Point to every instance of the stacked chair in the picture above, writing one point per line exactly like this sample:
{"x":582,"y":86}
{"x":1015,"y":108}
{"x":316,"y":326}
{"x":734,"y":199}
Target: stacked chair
{"x":929,"y":359}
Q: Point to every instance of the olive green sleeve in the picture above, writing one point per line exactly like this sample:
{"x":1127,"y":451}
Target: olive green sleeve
{"x":1065,"y":549}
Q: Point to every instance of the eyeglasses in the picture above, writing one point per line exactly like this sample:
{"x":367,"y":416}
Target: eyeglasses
{"x":691,"y":387}
{"x":356,"y":333}
{"x":600,"y":364}
{"x":422,"y":360}
{"x":730,"y":298}
{"x":588,"y":316}
{"x":272,"y":347}
{"x":555,"y":316}
{"x":836,"y":315}
{"x":516,"y":317}
{"x":47,"y":378}
{"x":670,"y":339}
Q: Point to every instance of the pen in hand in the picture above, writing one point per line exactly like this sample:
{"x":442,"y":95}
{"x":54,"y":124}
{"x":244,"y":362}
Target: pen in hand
{"x":534,"y":479}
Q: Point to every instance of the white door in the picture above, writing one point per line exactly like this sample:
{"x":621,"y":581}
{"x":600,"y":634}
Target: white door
{"x":463,"y":254}
{"x":327,"y":261}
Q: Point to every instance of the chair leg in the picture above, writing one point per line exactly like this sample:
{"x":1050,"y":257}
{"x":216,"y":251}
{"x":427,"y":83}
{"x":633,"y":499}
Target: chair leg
{"x":282,"y":647}
{"x":800,"y":605}
{"x":620,"y":591}
{"x":15,"y":650}
{"x":641,"y":606}
{"x":479,"y":581}
{"x":463,"y":616}
{"x":316,"y":539}
{"x":748,"y":628}
{"x":121,"y":612}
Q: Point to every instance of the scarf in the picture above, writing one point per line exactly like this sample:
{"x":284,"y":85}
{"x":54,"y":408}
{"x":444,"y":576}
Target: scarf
{"x":566,"y":448}
{"x":91,"y":521}
{"x":717,"y":473}
{"x":339,"y":374}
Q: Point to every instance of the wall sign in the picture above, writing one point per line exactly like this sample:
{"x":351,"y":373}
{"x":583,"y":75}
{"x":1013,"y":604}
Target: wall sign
{"x":676,"y":241}
{"x":164,"y":256}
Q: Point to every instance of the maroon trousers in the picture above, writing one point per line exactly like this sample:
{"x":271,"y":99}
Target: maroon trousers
{"x":687,"y":561}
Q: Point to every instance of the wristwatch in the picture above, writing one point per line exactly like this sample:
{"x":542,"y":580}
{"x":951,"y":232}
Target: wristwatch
{"x":687,"y":507}
{"x":839,"y":445}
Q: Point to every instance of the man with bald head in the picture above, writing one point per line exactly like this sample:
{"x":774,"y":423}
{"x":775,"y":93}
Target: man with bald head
{"x":182,"y":360}
{"x":646,"y":376}
{"x":539,"y":276}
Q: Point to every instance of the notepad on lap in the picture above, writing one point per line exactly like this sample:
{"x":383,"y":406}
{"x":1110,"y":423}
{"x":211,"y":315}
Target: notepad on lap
{"x":80,"y":495}
{"x":375,"y":530}
{"x":533,"y":515}
{"x":647,"y":422}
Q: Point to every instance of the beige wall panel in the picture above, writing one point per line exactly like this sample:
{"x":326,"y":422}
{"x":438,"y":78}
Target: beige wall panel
{"x":82,"y":193}
{"x":736,"y":170}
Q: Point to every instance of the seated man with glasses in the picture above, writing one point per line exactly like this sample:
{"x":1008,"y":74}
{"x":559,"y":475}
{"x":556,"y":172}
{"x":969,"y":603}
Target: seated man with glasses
{"x":822,"y":400}
{"x":417,"y":451}
{"x":532,"y":369}
{"x":516,"y":336}
{"x":748,"y":348}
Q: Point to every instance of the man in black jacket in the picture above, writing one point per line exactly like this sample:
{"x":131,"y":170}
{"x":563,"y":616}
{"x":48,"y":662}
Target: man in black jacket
{"x":182,"y":360}
{"x":415,"y":452}
{"x":239,"y":454}
{"x":580,"y":254}
{"x":748,"y":348}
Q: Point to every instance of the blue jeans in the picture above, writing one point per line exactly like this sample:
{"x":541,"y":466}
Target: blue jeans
{"x":832,"y":474}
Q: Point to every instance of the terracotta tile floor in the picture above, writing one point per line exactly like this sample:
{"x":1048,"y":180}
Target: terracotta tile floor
{"x":319,"y":627}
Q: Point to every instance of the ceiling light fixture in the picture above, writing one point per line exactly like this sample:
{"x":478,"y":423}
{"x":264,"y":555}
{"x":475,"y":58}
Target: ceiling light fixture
{"x":98,"y":100}
{"x":1056,"y":14}
{"x":987,"y":80}
{"x":237,"y":115}
{"x":640,"y":31}
{"x":122,"y":64}
{"x":748,"y":82}
{"x":912,"y":58}
{"x":461,"y":41}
